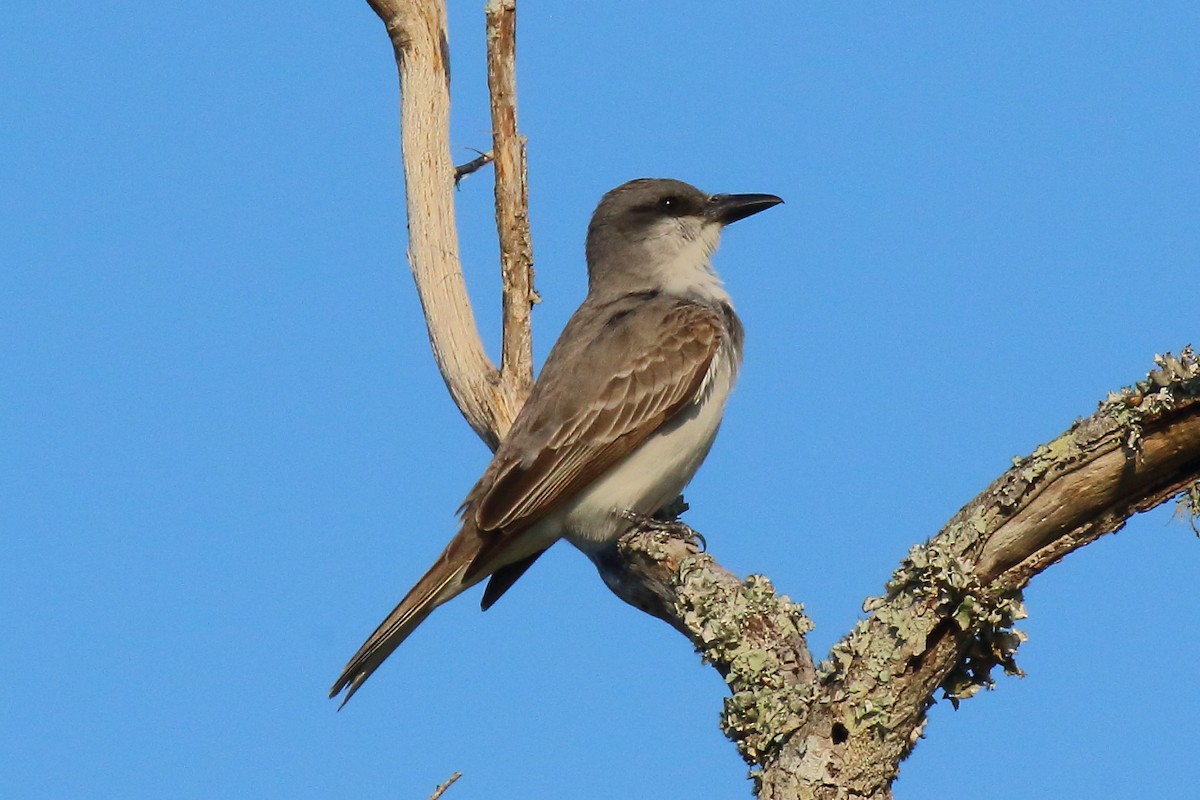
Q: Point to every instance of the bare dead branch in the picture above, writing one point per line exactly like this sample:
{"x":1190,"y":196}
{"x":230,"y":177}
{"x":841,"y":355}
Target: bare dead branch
{"x":417,"y":29}
{"x":512,"y":197}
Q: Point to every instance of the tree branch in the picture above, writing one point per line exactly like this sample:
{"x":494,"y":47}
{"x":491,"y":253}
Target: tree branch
{"x":512,"y":196}
{"x":948,"y":616}
{"x":488,"y":399}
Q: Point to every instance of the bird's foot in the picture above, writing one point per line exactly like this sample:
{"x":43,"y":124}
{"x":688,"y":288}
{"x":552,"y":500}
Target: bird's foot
{"x":670,"y":525}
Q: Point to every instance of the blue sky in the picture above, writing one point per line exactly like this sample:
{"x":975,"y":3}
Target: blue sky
{"x":227,"y":453}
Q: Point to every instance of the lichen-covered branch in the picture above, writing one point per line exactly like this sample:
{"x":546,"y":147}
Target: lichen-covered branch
{"x":947,"y":618}
{"x":488,"y":399}
{"x":752,"y":636}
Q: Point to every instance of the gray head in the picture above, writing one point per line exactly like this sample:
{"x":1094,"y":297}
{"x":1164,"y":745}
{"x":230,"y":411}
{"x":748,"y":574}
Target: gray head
{"x":658,"y":233}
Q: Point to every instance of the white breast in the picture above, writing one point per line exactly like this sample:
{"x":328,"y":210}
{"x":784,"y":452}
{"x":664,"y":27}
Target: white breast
{"x":654,"y":474}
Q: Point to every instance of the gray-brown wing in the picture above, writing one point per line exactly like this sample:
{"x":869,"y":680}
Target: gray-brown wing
{"x":595,"y":402}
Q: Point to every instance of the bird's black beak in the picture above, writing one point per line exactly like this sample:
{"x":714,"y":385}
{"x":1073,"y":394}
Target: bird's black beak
{"x":729,"y":208}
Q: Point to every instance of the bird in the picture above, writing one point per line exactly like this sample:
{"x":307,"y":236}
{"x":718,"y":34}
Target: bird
{"x":623,"y":412}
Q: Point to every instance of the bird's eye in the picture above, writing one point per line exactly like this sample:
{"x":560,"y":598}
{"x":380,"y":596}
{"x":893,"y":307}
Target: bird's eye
{"x":669,"y":203}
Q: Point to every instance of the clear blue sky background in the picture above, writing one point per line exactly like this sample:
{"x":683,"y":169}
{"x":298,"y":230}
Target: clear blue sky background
{"x":225,"y":451}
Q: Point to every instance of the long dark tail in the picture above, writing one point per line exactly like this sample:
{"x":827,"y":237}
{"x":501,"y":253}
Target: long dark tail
{"x":444,"y":580}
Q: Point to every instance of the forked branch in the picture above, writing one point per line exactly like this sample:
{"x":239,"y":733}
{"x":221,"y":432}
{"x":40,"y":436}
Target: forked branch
{"x":489,"y":398}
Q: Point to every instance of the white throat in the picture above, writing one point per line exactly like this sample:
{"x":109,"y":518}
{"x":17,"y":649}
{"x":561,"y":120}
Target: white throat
{"x":685,"y":264}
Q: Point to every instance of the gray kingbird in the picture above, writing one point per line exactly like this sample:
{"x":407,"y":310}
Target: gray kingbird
{"x":623,"y":412}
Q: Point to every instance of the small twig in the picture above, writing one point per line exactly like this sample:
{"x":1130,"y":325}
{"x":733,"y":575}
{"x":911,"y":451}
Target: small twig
{"x":474,"y":165}
{"x":441,"y":789}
